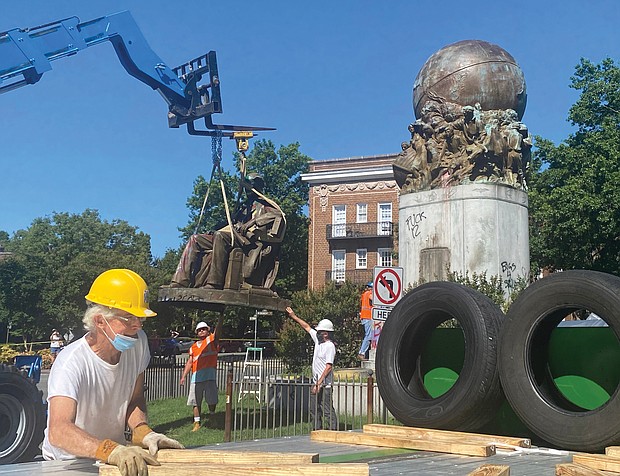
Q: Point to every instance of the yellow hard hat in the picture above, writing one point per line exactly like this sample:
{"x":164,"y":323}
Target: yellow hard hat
{"x":121,"y":289}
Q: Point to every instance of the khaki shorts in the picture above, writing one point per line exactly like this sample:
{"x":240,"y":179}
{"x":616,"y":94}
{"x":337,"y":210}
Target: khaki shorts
{"x":198,"y":390}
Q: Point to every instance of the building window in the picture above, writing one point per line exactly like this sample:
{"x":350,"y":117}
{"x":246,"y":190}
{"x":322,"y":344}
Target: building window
{"x":339,"y":220}
{"x":384,"y":257}
{"x":362,"y":258}
{"x":362,"y":213}
{"x":384,"y":225}
{"x":338,"y":265}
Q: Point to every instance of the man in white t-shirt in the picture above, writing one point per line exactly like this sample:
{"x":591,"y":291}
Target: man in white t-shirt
{"x":96,"y":385}
{"x":321,"y":401}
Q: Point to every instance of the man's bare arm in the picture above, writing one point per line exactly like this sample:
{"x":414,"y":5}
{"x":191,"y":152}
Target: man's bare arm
{"x":218,"y":329}
{"x":64,"y":434}
{"x":136,"y":410}
{"x":298,"y":319}
{"x":187,"y":369}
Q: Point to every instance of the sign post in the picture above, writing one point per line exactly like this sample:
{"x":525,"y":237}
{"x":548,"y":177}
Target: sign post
{"x":386,"y":292}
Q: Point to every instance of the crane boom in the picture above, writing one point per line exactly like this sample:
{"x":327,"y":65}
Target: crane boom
{"x":26,"y":54}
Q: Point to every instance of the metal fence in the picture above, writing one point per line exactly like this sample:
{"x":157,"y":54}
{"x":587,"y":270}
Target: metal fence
{"x":264,"y":402}
{"x":279,"y":406}
{"x":164,"y":373}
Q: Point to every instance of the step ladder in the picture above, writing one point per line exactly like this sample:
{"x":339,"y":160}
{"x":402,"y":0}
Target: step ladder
{"x":252,"y":376}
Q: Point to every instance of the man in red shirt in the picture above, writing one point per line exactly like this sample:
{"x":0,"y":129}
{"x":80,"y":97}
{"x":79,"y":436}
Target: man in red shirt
{"x":202,"y":362}
{"x":366,"y":320}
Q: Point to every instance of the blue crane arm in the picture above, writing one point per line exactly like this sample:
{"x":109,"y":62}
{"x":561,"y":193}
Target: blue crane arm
{"x":25,"y":54}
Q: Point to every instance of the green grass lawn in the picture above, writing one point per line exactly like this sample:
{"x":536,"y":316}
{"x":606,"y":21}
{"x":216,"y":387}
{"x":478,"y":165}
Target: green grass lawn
{"x":174,"y":418}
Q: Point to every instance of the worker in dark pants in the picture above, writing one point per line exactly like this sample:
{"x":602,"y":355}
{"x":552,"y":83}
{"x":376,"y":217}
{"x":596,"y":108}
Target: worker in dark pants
{"x":321,"y":392}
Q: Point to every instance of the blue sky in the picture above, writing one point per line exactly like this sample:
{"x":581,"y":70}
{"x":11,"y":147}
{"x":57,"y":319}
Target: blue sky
{"x":335,"y":76}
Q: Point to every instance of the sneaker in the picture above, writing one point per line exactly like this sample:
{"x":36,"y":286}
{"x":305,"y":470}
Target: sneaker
{"x":361,"y":357}
{"x":196,"y":426}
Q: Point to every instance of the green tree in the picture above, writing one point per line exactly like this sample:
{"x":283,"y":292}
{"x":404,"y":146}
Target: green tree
{"x":4,"y":238}
{"x":18,"y":297}
{"x":574,"y":194}
{"x":54,"y":263}
{"x":208,"y":194}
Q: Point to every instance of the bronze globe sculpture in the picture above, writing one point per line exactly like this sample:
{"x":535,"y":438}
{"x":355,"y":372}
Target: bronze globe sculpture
{"x":470,"y":72}
{"x":468,"y":98}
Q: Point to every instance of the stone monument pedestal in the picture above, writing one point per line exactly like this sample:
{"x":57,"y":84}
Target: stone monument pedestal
{"x":477,"y":227}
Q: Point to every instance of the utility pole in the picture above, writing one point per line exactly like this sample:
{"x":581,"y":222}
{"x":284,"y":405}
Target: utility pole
{"x":255,"y":319}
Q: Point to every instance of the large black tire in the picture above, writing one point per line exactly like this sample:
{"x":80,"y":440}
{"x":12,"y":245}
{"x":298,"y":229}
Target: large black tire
{"x":476,"y":395}
{"x":523,"y":359}
{"x":22,"y":416}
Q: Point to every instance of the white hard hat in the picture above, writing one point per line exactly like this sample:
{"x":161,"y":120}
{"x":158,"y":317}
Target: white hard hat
{"x":202,"y":324}
{"x":325,"y":325}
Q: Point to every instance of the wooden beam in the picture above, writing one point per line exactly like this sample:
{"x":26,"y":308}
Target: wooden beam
{"x":505,"y":442}
{"x":613,"y":451}
{"x":234,"y":457}
{"x":209,"y":469}
{"x":601,"y":462}
{"x":491,"y":470}
{"x":353,"y":438}
{"x":571,"y":469}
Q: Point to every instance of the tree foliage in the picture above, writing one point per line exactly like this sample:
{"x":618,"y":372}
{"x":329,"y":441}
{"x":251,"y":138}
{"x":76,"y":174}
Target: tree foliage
{"x":208,"y":194}
{"x":574,"y":194}
{"x":494,"y":287}
{"x":53,"y":264}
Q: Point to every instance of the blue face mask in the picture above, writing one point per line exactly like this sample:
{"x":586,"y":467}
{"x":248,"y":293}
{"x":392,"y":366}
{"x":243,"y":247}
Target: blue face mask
{"x":121,"y":342}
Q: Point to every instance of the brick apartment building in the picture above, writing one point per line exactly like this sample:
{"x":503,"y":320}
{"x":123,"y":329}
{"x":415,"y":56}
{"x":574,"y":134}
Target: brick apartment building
{"x":353,"y":208}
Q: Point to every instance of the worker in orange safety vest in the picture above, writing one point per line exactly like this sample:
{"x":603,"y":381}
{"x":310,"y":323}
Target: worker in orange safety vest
{"x":366,"y":320}
{"x":202,"y":362}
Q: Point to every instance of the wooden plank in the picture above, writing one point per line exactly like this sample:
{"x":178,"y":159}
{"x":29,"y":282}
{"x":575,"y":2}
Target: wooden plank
{"x":200,"y":469}
{"x":601,"y":462}
{"x":446,"y":446}
{"x":491,"y":470}
{"x":505,"y":442}
{"x":234,"y":457}
{"x":572,"y":469}
{"x":613,"y":451}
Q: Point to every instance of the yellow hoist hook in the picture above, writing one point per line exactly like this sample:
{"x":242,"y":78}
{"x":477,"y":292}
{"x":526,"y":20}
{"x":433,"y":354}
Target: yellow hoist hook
{"x":242,"y":139}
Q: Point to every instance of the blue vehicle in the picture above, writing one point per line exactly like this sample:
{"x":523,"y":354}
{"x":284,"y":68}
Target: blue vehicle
{"x":175,"y":346}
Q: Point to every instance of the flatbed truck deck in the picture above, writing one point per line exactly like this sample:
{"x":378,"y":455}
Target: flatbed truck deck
{"x":381,"y":461}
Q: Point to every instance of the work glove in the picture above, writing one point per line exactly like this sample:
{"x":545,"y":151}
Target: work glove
{"x":146,"y":438}
{"x":154,"y":441}
{"x":131,"y":460}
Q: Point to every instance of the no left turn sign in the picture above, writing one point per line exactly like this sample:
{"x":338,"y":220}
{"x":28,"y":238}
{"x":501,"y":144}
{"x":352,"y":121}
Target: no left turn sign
{"x":387,"y":286}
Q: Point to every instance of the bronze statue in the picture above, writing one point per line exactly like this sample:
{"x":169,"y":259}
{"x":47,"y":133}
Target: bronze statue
{"x":255,"y":238}
{"x":466,"y":145}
